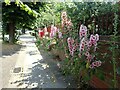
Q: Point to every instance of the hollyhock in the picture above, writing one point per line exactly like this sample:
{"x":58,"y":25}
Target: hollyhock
{"x":82,"y":45}
{"x":60,"y":35}
{"x":64,"y":14}
{"x":64,"y":17}
{"x":71,"y":45}
{"x":82,"y":31}
{"x":51,"y":35}
{"x":89,"y":58}
{"x":41,"y":34}
{"x":89,"y":44}
{"x":68,"y":23}
{"x":53,"y":32}
{"x":94,"y":39}
{"x":85,"y":45}
{"x":91,"y":66}
{"x":74,"y":48}
{"x":97,"y":37}
{"x":96,"y":63}
{"x":87,"y":53}
{"x":65,"y":21}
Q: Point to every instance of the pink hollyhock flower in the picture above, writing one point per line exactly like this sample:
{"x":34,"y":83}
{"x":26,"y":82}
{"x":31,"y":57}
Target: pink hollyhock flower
{"x":64,"y":14}
{"x":91,"y":66}
{"x":87,"y":53}
{"x":65,"y":21}
{"x":89,"y":58}
{"x":68,"y":23}
{"x":60,"y":35}
{"x":71,"y":46}
{"x":82,"y":31}
{"x":64,"y":17}
{"x":74,"y":48}
{"x":94,"y":39}
{"x":53,"y":32}
{"x":82,"y":45}
{"x":96,"y":63}
{"x":68,"y":40}
{"x":89,"y":44}
{"x":70,"y":43}
{"x":97,"y":37}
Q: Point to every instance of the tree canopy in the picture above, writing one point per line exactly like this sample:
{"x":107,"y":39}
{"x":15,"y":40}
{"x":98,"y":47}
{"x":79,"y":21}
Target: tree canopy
{"x":19,"y":15}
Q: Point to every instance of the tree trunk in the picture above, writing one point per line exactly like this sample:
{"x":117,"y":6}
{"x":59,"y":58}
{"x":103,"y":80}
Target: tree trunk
{"x":3,"y":35}
{"x":11,"y":32}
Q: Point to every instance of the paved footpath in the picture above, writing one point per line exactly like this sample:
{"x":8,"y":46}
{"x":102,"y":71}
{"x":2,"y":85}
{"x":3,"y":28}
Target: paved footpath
{"x":36,"y":69}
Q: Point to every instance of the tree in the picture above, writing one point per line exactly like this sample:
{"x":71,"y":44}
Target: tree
{"x":17,"y":14}
{"x":92,"y":14}
{"x":51,"y":14}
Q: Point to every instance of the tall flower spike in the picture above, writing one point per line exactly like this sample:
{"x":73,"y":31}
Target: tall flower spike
{"x":64,"y":15}
{"x":82,"y":45}
{"x":83,"y":31}
{"x":71,"y":46}
{"x":53,"y":31}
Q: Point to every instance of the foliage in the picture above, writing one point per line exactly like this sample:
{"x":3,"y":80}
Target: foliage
{"x":89,"y":14}
{"x":50,"y":14}
{"x":113,"y":48}
{"x":79,"y":40}
{"x":80,"y":51}
{"x":20,"y":15}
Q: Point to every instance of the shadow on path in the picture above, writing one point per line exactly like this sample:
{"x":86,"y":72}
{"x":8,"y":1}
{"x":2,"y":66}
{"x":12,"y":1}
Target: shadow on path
{"x":45,"y":74}
{"x":10,"y":49}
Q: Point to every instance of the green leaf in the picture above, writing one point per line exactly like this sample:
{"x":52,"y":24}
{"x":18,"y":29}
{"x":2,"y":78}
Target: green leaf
{"x":101,"y":76}
{"x":86,"y":77}
{"x":7,"y":2}
{"x":17,"y":2}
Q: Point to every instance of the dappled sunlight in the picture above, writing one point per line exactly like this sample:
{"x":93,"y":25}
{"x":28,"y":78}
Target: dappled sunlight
{"x":38,"y":70}
{"x":60,"y":45}
{"x":45,"y":66}
{"x":33,"y":85}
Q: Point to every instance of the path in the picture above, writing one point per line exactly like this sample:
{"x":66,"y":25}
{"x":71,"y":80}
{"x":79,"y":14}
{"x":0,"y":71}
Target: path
{"x":9,"y":56}
{"x":35,"y":69}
